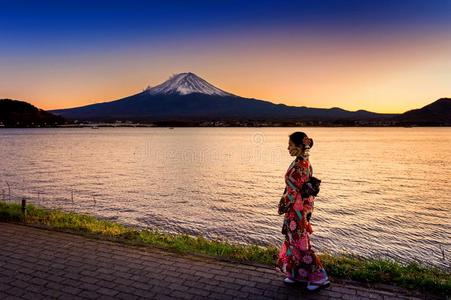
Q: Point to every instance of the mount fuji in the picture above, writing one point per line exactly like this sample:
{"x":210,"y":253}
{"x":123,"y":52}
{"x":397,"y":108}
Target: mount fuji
{"x":187,"y":97}
{"x":184,"y":84}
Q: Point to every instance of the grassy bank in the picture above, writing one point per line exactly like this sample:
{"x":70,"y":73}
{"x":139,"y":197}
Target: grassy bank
{"x":413,"y":276}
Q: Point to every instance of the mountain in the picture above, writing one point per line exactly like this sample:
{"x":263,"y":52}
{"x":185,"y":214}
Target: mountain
{"x":14,"y":113}
{"x":184,"y":84}
{"x":187,"y":97}
{"x":436,"y":113}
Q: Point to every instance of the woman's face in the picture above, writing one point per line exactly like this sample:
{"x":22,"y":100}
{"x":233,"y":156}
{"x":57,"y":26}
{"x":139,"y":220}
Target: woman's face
{"x":293,"y":149}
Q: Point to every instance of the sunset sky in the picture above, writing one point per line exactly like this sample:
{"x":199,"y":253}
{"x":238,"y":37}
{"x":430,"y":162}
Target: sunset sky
{"x":382,"y":56}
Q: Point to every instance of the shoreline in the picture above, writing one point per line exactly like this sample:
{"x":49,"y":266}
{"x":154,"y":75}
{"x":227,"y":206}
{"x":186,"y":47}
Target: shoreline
{"x":94,"y":268}
{"x":412,"y":276}
{"x":172,"y":126}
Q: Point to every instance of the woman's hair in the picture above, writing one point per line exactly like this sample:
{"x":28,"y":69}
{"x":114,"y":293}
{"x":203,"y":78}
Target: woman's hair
{"x":300,"y":139}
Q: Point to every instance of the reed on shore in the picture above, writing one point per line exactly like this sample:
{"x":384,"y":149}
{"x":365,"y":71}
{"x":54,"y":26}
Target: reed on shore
{"x":367,"y":270}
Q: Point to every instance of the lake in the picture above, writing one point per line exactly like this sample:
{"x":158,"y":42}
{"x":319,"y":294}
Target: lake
{"x":385,"y":192}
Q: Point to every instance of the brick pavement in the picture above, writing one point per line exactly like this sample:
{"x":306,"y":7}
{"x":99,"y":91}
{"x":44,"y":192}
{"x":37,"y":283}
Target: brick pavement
{"x":41,"y":264}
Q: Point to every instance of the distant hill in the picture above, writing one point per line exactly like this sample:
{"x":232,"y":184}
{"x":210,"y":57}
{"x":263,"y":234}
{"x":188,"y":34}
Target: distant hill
{"x":187,"y":97}
{"x":14,"y":113}
{"x":436,"y":113}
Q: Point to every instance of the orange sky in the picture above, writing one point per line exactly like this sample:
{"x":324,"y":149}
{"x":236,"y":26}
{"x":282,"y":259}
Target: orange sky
{"x":380,"y":71}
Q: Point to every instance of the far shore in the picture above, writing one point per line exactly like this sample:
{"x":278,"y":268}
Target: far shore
{"x":221,"y":125}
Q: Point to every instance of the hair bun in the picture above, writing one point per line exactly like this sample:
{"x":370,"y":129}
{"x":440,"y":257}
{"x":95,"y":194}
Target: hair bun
{"x":307,"y":141}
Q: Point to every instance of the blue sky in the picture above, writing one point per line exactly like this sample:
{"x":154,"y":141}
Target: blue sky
{"x":52,"y":36}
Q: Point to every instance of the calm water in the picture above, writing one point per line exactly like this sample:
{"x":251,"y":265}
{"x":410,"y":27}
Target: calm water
{"x":385,"y":191}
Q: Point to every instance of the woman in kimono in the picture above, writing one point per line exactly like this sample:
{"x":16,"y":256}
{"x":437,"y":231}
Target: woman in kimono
{"x":296,"y":258}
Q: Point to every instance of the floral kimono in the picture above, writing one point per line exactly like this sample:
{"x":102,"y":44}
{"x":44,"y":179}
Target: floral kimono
{"x":296,"y":258}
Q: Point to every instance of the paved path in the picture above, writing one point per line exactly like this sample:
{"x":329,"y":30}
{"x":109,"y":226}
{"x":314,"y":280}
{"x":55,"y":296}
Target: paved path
{"x":41,"y":264}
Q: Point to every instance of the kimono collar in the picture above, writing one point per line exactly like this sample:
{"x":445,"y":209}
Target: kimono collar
{"x":300,"y":157}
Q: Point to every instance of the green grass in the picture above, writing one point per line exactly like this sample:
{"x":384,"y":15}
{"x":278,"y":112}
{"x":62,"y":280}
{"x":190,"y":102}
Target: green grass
{"x":412,"y":276}
{"x":368,"y":270}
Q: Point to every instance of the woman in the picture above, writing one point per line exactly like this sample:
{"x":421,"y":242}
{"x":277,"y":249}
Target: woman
{"x":296,"y":258}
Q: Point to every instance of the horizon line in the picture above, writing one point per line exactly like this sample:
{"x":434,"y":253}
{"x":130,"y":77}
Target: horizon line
{"x":268,"y":100}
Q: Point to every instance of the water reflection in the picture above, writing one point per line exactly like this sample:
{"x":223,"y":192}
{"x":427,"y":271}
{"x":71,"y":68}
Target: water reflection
{"x":385,"y":191}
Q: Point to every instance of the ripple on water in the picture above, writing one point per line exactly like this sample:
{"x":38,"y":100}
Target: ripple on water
{"x":368,"y":204}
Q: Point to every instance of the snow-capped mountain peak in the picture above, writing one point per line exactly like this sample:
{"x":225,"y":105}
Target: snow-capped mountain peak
{"x":186,"y":83}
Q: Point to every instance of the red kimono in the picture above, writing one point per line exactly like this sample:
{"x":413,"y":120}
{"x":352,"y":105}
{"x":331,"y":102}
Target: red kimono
{"x":296,"y":258}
